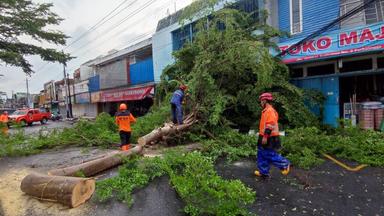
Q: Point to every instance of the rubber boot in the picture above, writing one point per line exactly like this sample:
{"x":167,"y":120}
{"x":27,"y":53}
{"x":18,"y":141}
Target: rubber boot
{"x":286,"y":170}
{"x":258,"y":174}
{"x":126,"y":147}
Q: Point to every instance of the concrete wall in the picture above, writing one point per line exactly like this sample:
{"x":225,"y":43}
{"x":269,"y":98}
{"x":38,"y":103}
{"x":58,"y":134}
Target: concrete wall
{"x":162,"y":50}
{"x":113,"y":74}
{"x":80,"y":110}
{"x":272,"y":6}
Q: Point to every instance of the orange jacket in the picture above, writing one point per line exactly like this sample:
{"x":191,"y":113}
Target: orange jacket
{"x":124,"y":120}
{"x":3,"y":118}
{"x":269,"y":122}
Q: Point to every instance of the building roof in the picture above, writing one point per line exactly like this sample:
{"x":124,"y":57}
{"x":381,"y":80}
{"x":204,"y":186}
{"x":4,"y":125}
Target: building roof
{"x":169,"y":20}
{"x":122,"y":53}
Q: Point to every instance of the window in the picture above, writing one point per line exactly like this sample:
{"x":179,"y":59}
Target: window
{"x":296,"y":14}
{"x":296,"y":72}
{"x":358,"y":65}
{"x":181,"y":36}
{"x":380,"y":62}
{"x":372,"y":13}
{"x":321,"y":70}
{"x":249,"y":6}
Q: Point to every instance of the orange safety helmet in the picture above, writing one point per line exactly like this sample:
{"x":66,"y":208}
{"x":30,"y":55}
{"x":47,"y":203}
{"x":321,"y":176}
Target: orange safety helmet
{"x":183,"y":87}
{"x":266,"y":96}
{"x":123,"y":106}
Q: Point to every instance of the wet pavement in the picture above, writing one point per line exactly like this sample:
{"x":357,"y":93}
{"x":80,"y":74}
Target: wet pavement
{"x":37,"y":126}
{"x":325,"y":190}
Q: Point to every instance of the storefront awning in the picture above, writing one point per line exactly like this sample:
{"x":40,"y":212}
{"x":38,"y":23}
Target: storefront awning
{"x":125,"y":94}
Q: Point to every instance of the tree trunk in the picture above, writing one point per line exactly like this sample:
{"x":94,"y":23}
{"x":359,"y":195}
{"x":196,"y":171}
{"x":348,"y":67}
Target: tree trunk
{"x":165,"y":131}
{"x":93,"y":167}
{"x":69,"y":191}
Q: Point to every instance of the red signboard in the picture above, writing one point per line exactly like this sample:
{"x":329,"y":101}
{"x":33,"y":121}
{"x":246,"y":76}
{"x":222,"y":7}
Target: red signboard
{"x":125,"y":94}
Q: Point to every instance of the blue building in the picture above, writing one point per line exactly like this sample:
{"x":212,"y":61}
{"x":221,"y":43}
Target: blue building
{"x":124,"y":76}
{"x":344,"y":61}
{"x":171,"y":36}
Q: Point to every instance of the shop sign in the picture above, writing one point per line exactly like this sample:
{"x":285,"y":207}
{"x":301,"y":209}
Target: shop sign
{"x":82,"y":98}
{"x":336,"y":43}
{"x":126,"y":94}
{"x":81,"y":87}
{"x":95,"y":97}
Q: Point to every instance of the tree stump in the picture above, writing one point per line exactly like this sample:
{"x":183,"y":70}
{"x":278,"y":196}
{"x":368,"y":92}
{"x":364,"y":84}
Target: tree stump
{"x":70,"y":191}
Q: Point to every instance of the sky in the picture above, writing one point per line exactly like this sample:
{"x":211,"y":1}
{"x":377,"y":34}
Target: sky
{"x":133,"y":21}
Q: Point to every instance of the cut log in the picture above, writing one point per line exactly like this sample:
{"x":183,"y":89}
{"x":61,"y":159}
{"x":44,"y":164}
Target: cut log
{"x":94,"y":167}
{"x":165,"y":131}
{"x":70,"y":191}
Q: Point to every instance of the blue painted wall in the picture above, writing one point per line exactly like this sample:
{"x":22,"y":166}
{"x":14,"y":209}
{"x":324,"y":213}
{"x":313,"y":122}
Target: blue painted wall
{"x":316,"y":14}
{"x":94,"y":83}
{"x":142,"y":72}
{"x":329,"y":86}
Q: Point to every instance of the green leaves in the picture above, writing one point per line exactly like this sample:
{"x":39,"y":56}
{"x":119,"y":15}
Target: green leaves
{"x":227,"y":69}
{"x":192,"y":175}
{"x":25,"y":18}
{"x":304,"y":146}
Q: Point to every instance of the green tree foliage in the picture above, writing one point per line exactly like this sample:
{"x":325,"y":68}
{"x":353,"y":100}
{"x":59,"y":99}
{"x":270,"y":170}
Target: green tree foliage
{"x":192,"y":175}
{"x":23,"y":19}
{"x":227,"y":67}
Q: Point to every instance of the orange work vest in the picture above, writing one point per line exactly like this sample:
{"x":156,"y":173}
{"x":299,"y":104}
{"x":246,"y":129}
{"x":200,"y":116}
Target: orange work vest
{"x":4,"y":118}
{"x":124,"y":120}
{"x":269,"y":119}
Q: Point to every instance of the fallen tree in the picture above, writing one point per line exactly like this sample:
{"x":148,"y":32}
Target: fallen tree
{"x":70,"y":191}
{"x":93,"y":167}
{"x":167,"y":130}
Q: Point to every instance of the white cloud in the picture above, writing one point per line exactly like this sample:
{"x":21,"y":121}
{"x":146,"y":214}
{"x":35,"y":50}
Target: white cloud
{"x":79,"y":16}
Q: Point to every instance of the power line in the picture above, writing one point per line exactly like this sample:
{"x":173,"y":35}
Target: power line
{"x":132,"y":41}
{"x":148,"y":3}
{"x":138,"y":10}
{"x":101,"y":22}
{"x":95,"y":26}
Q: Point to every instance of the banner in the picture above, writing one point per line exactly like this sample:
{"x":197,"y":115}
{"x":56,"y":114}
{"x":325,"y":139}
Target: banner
{"x":95,"y":97}
{"x":82,"y":98}
{"x":336,"y":43}
{"x":125,"y":94}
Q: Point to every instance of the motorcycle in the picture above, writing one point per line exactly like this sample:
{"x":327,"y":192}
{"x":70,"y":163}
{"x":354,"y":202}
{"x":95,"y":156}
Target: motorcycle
{"x":56,"y":116}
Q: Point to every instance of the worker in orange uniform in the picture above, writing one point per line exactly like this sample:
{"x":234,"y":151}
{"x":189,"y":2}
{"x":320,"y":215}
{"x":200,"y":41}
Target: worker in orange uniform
{"x":124,"y":119}
{"x":4,"y":122}
{"x":269,"y":141}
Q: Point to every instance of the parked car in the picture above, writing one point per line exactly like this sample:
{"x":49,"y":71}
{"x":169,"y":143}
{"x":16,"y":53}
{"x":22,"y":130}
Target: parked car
{"x":28,"y":116}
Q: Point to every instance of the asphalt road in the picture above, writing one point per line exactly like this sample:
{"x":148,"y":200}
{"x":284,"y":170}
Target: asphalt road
{"x":37,"y":126}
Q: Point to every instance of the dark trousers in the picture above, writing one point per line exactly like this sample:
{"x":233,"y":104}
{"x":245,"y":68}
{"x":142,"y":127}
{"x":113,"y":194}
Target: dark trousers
{"x":124,"y":138}
{"x":177,"y":113}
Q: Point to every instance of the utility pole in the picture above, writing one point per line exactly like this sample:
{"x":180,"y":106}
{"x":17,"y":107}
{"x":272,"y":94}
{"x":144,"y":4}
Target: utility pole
{"x":26,"y":80}
{"x":66,"y":92}
{"x":70,"y":100}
